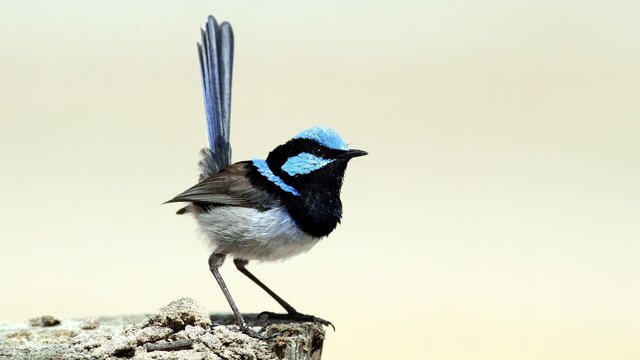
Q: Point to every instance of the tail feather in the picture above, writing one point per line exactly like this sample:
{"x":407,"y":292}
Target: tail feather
{"x":216,"y":65}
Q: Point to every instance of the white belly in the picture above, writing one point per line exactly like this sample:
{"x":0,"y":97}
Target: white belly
{"x":250,"y":234}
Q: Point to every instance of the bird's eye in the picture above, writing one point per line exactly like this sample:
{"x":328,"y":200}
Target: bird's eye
{"x":318,"y":152}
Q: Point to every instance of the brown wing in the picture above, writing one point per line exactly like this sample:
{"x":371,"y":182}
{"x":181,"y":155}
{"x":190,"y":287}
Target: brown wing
{"x":229,"y":187}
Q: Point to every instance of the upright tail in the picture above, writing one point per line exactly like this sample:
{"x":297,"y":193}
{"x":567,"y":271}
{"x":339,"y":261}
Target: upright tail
{"x":216,"y":64}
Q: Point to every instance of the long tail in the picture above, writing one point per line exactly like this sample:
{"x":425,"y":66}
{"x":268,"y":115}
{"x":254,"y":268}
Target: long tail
{"x":216,"y":64}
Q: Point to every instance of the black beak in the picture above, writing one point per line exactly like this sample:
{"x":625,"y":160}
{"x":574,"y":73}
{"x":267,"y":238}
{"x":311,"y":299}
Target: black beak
{"x":351,"y":153}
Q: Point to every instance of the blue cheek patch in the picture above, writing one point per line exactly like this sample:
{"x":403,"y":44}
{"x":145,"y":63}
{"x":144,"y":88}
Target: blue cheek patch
{"x":264,"y":170}
{"x":304,"y":163}
{"x":324,"y":136}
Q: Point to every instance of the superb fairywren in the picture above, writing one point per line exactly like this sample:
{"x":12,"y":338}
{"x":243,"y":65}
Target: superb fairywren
{"x":261,"y":209}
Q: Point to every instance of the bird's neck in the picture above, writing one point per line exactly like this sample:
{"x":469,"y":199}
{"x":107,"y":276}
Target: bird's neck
{"x":318,"y":209}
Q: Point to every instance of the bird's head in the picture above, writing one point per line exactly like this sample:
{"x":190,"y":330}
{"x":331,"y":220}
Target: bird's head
{"x":315,"y":156}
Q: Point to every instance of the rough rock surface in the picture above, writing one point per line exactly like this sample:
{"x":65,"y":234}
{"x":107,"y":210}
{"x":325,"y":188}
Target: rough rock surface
{"x":180,"y":330}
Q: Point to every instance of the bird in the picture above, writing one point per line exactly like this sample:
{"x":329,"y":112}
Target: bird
{"x":261,"y":209}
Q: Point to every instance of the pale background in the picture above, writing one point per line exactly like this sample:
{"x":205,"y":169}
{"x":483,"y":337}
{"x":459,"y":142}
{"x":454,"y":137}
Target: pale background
{"x":497,"y":216}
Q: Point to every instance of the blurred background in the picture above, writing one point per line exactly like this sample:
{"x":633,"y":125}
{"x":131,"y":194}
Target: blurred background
{"x":496,"y":217}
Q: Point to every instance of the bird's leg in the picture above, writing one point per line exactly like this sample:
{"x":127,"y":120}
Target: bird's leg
{"x":292,"y":314}
{"x":241,"y":266}
{"x":215,"y":261}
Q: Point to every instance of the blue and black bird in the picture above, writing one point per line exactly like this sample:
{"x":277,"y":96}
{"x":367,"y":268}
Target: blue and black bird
{"x":261,"y":209}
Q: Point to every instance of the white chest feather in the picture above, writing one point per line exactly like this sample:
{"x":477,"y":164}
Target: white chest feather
{"x":254,"y":235}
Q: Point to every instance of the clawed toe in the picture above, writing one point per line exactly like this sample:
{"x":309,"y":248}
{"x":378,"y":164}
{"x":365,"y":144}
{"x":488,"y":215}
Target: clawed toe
{"x":324,"y":322}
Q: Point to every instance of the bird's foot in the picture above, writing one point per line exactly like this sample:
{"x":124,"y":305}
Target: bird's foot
{"x":296,"y":316}
{"x":258,"y":335}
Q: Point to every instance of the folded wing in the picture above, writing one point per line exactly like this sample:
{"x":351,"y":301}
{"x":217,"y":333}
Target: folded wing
{"x":230,"y":187}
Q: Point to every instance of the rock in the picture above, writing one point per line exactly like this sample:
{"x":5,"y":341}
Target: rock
{"x":179,"y":330}
{"x":179,"y":314}
{"x":44,"y":321}
{"x":89,"y":324}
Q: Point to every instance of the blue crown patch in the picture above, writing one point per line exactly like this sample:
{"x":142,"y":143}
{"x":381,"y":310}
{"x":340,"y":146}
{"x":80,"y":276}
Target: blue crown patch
{"x":325,"y":136}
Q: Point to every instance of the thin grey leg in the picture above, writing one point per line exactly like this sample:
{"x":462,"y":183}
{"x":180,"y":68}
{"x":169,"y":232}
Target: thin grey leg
{"x":292,"y":314}
{"x":240,"y":265}
{"x":215,"y":261}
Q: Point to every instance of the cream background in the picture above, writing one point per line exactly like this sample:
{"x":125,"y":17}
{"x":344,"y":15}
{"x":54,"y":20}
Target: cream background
{"x":497,"y":216}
